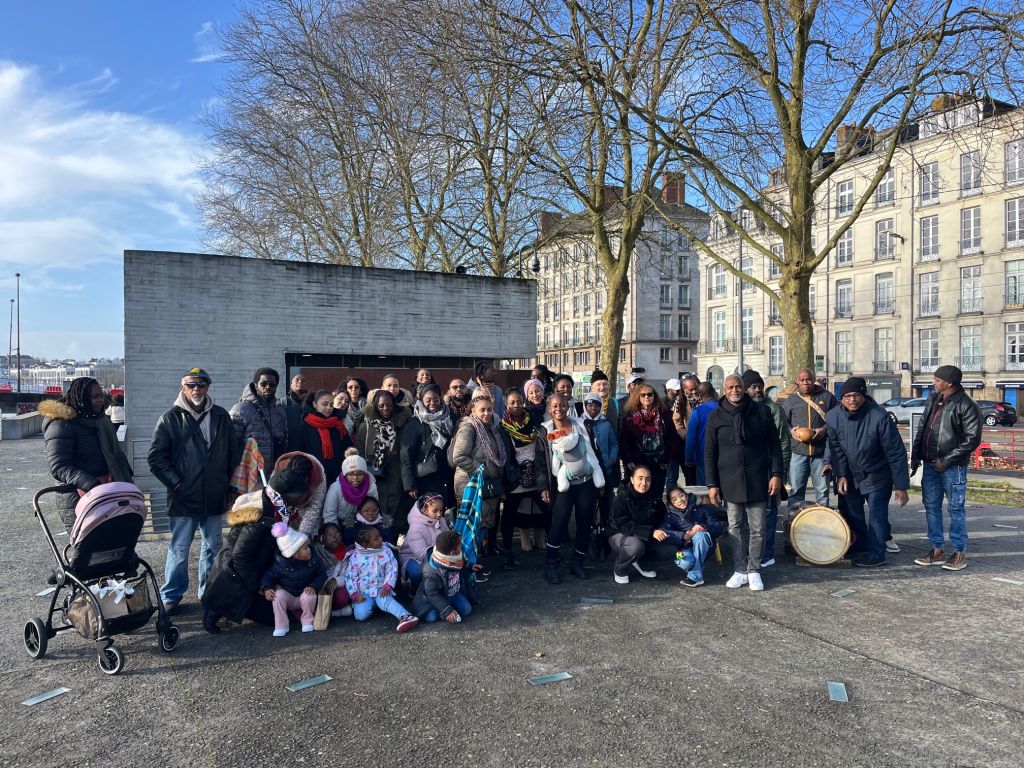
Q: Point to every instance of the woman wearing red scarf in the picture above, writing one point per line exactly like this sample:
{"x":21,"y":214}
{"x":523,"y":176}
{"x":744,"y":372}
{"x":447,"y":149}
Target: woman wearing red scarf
{"x":645,"y":436}
{"x":322,"y":433}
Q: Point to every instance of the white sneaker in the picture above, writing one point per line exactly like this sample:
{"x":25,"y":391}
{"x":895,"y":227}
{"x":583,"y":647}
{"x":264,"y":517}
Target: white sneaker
{"x":766,"y":563}
{"x":737,"y":580}
{"x":345,"y":610}
{"x":642,"y":572}
{"x":754,"y":580}
{"x":621,"y":579}
{"x":280,"y":632}
{"x":307,"y":627}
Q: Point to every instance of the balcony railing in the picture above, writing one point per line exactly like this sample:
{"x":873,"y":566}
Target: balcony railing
{"x":1012,"y":362}
{"x":714,"y":347}
{"x":774,"y":319}
{"x":882,"y":366}
{"x":929,"y":253}
{"x":929,"y":309}
{"x":1017,"y":241}
{"x":884,"y":254}
{"x":968,"y":247}
{"x":752,"y":343}
{"x":966,"y":306}
{"x":844,"y":261}
{"x":1013,"y":301}
{"x":885,"y":307}
{"x":970,"y":363}
{"x":844,"y":310}
{"x":843,"y":367}
{"x":926,"y":365}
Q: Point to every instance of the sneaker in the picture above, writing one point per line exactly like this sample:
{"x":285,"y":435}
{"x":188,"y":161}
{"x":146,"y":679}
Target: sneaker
{"x":935,"y":557}
{"x":769,"y":562}
{"x":307,"y":627}
{"x":408,"y":622}
{"x":868,"y":561}
{"x":280,"y":632}
{"x":956,"y":562}
{"x":689,"y":581}
{"x":481,"y":576}
{"x":621,"y":579}
{"x":343,"y":611}
{"x":892,"y":547}
{"x":754,"y":580}
{"x":737,"y":580}
{"x":642,"y":572}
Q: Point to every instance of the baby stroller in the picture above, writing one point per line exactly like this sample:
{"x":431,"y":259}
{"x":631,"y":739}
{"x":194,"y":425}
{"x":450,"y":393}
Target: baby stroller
{"x":98,"y":576}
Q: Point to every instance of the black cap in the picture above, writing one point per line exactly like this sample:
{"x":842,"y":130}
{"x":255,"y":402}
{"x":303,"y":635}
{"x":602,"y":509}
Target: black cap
{"x":854,"y":384}
{"x":197,"y":373}
{"x":949,"y":373}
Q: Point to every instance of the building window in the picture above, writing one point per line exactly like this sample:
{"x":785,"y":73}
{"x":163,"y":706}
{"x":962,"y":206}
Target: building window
{"x":586,"y":303}
{"x":843,"y":361}
{"x":775,"y":264}
{"x":665,"y":327}
{"x":665,"y":296}
{"x":586,"y":331}
{"x":597,"y":332}
{"x":774,"y":316}
{"x":664,"y":354}
{"x":776,"y":364}
{"x":683,"y":355}
{"x":684,"y":297}
{"x":575,"y":334}
{"x":929,"y":294}
{"x":970,"y":173}
{"x":970,"y":289}
{"x":666,"y":268}
{"x":575,"y":278}
{"x":929,"y":238}
{"x":622,"y":354}
{"x":844,"y":298}
{"x":547,"y":337}
{"x":717,"y":279}
{"x":844,"y":248}
{"x":928,"y":341}
{"x":812,"y":299}
{"x":1013,"y":161}
{"x":883,"y":349}
{"x":883,"y":239}
{"x":555,"y":307}
{"x":575,"y":306}
{"x":683,"y":327}
{"x":885,"y":294}
{"x":546,"y":312}
{"x":929,"y":181}
{"x":747,"y":268}
{"x":1014,"y":297}
{"x":719,"y":330}
{"x":747,"y":326}
{"x":885,"y":192}
{"x":1015,"y":222}
{"x":598,"y":301}
{"x":844,"y":197}
{"x":970,"y":230}
{"x":1014,"y":346}
{"x":970,"y":348}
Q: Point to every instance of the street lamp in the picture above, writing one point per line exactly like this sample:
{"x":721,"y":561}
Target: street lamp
{"x":17,"y":277}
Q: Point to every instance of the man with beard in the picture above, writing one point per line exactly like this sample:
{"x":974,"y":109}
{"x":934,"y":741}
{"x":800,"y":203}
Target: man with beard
{"x":457,"y":400}
{"x":193,"y":454}
{"x":742,"y":473}
{"x":688,"y":399}
{"x":295,"y":405}
{"x":753,"y":384}
{"x":257,"y":415}
{"x":806,"y":409}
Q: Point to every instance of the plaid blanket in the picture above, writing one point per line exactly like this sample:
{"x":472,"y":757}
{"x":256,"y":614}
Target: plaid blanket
{"x":246,"y":477}
{"x":470,"y":513}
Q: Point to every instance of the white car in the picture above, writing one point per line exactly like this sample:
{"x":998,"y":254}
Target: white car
{"x":902,"y":412}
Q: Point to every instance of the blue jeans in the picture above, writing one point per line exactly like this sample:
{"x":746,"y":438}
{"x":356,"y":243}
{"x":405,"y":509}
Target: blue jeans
{"x":414,"y":573}
{"x":183,"y":530}
{"x":771,"y":519}
{"x":458,"y":601}
{"x":800,"y":469}
{"x":951,"y":483}
{"x":389,"y":604}
{"x":695,"y":554}
{"x":875,"y":530}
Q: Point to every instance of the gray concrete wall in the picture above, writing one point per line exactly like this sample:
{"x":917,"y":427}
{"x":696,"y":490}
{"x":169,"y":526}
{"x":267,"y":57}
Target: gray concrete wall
{"x":232,"y":315}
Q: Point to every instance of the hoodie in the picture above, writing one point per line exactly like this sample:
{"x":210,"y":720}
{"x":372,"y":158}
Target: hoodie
{"x":366,"y":571}
{"x":423,"y":532}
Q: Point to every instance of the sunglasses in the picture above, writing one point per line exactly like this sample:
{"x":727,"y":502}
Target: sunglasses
{"x":196,"y":384}
{"x":646,"y":394}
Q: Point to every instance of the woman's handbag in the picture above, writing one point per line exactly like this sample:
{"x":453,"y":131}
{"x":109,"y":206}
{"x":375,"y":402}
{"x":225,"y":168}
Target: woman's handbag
{"x":491,"y":488}
{"x":429,"y":464}
{"x":598,"y":548}
{"x":652,"y":447}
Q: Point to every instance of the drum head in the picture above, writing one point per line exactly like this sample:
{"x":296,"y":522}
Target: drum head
{"x":819,"y":535}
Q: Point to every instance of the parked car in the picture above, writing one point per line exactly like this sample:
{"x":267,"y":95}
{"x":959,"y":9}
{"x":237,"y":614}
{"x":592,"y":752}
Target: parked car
{"x":993,"y":413}
{"x":902,"y":412}
{"x":894,"y":401}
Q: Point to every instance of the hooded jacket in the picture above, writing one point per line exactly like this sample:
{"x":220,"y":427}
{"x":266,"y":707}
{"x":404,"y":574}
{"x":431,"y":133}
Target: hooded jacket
{"x":196,"y":472}
{"x":367,"y":570}
{"x":677,"y":523}
{"x":293,"y":575}
{"x":741,"y":465}
{"x":337,"y":509}
{"x":867,"y":448}
{"x":606,"y":444}
{"x":423,"y":532}
{"x":433,"y":591}
{"x":959,"y":429}
{"x":253,"y":417}
{"x":636,"y":514}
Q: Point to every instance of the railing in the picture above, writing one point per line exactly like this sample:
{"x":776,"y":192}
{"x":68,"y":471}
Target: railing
{"x":886,"y":307}
{"x":843,"y":261}
{"x":882,"y":366}
{"x":1011,"y":362}
{"x":843,"y":311}
{"x":713,"y":347}
{"x":776,"y":369}
{"x":969,"y":362}
{"x":931,"y":253}
{"x":929,"y":309}
{"x":968,"y":247}
{"x":774,"y":319}
{"x":752,"y":343}
{"x":1013,"y":301}
{"x":843,"y":367}
{"x":926,"y":365}
{"x":966,"y":306}
{"x":1013,"y":242}
{"x":884,"y":254}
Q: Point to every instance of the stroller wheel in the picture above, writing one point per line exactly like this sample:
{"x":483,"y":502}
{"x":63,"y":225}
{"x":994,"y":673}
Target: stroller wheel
{"x":35,"y":638}
{"x":111,"y":660}
{"x":169,"y":638}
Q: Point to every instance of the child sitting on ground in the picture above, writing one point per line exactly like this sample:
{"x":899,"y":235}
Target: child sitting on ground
{"x":293,"y":580}
{"x":370,"y":574}
{"x":694,"y":529}
{"x":445,"y":590}
{"x":426,"y":523}
{"x":368,"y":516}
{"x":330,"y":537}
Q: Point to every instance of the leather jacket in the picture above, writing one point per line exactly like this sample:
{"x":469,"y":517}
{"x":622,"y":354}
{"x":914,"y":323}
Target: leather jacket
{"x":959,"y":429}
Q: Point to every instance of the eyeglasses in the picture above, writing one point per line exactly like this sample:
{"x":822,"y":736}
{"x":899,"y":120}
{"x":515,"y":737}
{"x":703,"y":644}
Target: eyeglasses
{"x":196,"y":384}
{"x":457,"y":386}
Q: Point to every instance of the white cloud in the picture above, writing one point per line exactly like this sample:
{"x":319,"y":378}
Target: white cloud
{"x":207,"y":48}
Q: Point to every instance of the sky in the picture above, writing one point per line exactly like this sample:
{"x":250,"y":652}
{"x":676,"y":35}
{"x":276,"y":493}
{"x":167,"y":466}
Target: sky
{"x":99,"y":147}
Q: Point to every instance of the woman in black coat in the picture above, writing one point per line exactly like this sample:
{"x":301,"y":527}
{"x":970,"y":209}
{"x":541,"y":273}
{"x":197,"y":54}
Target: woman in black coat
{"x":636,"y":514}
{"x":322,"y":434}
{"x":424,"y":447}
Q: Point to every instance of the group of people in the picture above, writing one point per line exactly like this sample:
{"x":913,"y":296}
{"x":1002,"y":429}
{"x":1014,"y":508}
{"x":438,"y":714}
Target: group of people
{"x":337,"y":501}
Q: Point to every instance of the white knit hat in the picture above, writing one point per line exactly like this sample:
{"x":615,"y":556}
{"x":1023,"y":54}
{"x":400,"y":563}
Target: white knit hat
{"x":289,"y":541}
{"x":353,"y":463}
{"x":672,"y":384}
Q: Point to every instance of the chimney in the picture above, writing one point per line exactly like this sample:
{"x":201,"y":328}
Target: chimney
{"x":549,"y":221}
{"x":845,"y":134}
{"x":942,"y":102}
{"x":673,"y":188}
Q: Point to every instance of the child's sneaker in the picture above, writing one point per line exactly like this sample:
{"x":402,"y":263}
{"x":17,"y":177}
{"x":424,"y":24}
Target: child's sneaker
{"x":343,"y":611}
{"x":407,"y":622}
{"x":280,"y":632}
{"x":307,"y":627}
{"x":689,"y":581}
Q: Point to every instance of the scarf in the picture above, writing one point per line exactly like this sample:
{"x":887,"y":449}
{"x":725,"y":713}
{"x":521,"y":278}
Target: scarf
{"x":520,"y":430}
{"x":647,"y":421}
{"x":323,"y":426}
{"x":117,"y":464}
{"x":739,"y":414}
{"x":458,"y":410}
{"x":384,"y":435}
{"x":491,"y":444}
{"x":448,"y":561}
{"x":352,"y":494}
{"x":440,"y":423}
{"x":364,"y":521}
{"x":537,"y":411}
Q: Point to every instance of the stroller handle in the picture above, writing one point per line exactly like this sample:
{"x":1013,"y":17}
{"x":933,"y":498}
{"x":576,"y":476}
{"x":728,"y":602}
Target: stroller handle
{"x":51,"y":489}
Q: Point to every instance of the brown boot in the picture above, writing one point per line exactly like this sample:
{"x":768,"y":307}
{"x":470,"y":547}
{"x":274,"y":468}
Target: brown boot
{"x":935,"y":557}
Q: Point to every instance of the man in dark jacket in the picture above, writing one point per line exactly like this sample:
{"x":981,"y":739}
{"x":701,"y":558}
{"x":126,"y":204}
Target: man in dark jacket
{"x":869,"y":460}
{"x":257,"y":415}
{"x":949,"y":432}
{"x":806,"y":408}
{"x":193,"y":455}
{"x":294,"y":404}
{"x":743,"y":465}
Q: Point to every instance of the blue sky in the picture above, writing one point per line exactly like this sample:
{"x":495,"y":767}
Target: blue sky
{"x":99,"y":142}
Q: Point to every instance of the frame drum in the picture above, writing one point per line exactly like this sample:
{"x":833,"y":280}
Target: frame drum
{"x":819,"y":535}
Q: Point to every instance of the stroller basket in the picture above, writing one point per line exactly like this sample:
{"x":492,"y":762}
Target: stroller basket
{"x":130,"y":613}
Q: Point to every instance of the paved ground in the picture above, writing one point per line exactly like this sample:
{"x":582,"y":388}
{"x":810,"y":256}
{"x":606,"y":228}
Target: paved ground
{"x":933,"y":661}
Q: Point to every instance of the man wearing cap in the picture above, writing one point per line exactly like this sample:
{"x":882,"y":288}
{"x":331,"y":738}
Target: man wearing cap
{"x":753,"y":385}
{"x":949,"y":432}
{"x":600,"y":386}
{"x":806,"y":409}
{"x":193,"y":454}
{"x":869,"y":461}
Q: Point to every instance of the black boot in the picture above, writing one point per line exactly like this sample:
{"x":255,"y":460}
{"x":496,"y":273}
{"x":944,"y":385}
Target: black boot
{"x":551,"y":573}
{"x":210,"y":620}
{"x":576,"y":567}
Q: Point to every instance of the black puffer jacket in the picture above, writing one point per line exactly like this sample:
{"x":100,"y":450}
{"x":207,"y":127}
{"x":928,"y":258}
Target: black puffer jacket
{"x":73,"y":451}
{"x":637,"y":514}
{"x":197,"y":478}
{"x":959,"y":429}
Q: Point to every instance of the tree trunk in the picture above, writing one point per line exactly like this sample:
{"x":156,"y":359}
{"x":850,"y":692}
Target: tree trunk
{"x":794,"y":306}
{"x":611,"y":324}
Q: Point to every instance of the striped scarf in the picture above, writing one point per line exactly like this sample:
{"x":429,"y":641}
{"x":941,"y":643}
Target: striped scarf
{"x":520,"y":430}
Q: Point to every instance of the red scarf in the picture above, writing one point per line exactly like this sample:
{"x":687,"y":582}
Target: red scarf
{"x":647,"y":421}
{"x":324,"y":427}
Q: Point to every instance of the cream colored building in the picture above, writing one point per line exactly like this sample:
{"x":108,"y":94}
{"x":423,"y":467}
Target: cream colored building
{"x":929,"y":274}
{"x":661,"y":322}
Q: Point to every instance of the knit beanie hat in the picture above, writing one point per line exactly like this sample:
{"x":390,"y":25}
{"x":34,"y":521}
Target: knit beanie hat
{"x":353,"y":463}
{"x":598,"y":375}
{"x":593,"y":397}
{"x":532,"y":383}
{"x":949,"y":373}
{"x":289,"y":541}
{"x":854,"y":385}
{"x":751,"y":377}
